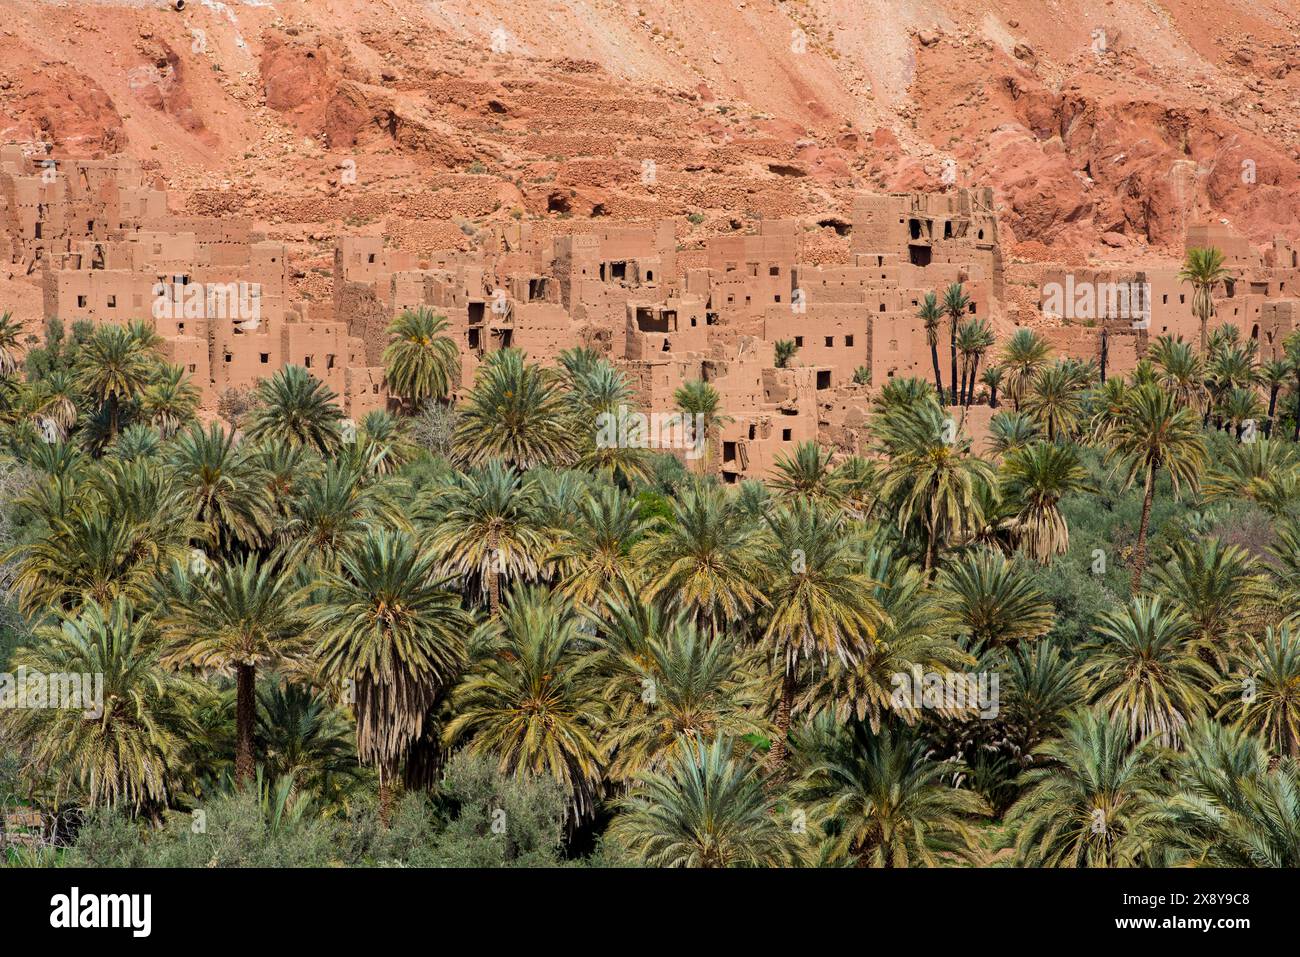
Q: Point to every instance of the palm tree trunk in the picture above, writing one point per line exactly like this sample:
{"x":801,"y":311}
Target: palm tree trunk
{"x":993,"y":397}
{"x":776,"y":757}
{"x":1272,"y":409}
{"x":974,"y":373}
{"x":385,"y":800}
{"x":494,"y":582}
{"x":245,"y":715}
{"x":938,"y":379}
{"x":1296,"y":436}
{"x":1104,"y":350}
{"x":953,"y":350}
{"x":1140,"y":553}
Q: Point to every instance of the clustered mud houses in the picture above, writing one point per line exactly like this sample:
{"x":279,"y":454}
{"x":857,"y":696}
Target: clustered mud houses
{"x":102,"y":242}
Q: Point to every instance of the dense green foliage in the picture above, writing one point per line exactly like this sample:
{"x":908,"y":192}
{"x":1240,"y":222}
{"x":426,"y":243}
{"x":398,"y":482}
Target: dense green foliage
{"x":472,"y":635}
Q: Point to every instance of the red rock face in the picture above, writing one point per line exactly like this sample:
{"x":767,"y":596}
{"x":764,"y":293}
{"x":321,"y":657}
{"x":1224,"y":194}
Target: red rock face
{"x":1102,"y":127}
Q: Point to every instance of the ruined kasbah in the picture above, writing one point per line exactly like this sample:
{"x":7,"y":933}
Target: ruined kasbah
{"x":102,"y":244}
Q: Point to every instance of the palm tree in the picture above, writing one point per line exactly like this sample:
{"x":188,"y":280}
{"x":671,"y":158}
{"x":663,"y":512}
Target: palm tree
{"x":974,"y":339}
{"x":886,"y":803}
{"x":808,"y":473}
{"x":1216,"y":586}
{"x":170,"y":400}
{"x":1010,"y":431}
{"x":784,"y":352}
{"x":684,"y":687}
{"x":127,"y":754}
{"x":705,"y":559}
{"x":914,"y":632}
{"x":58,"y":399}
{"x":420,"y":361}
{"x":1089,"y":801}
{"x":1204,"y":269}
{"x":486,"y":527}
{"x":332,"y":510}
{"x":932,"y":314}
{"x":1038,"y":476}
{"x":1054,"y":401}
{"x":821,"y":603}
{"x":931,"y":473}
{"x":613,"y":447}
{"x":700,"y":400}
{"x":223,"y":487}
{"x":1273,"y":374}
{"x":1264,"y":690}
{"x":240,"y":616}
{"x":1023,"y":354}
{"x":708,"y":809}
{"x":296,"y":408}
{"x":1291,"y":349}
{"x":1230,"y":809}
{"x":992,"y":378}
{"x":1265,"y":472}
{"x":994,"y":600}
{"x":306,"y":739}
{"x":1181,"y":369}
{"x":955,"y":304}
{"x":1144,"y":671}
{"x":529,"y":699}
{"x":594,"y":554}
{"x":517,"y":413}
{"x":388,"y":626}
{"x":113,"y":369}
{"x":1153,"y":433}
{"x":9,"y":334}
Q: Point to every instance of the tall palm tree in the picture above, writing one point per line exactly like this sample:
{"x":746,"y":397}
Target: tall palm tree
{"x":821,"y":603}
{"x":1022,"y":356}
{"x":529,"y":699}
{"x":113,"y":369}
{"x":516,"y":412}
{"x":129,"y":753}
{"x":386,"y":623}
{"x":705,"y":559}
{"x":707,"y":809}
{"x":487,"y":529}
{"x":420,"y":361}
{"x":1144,"y":672}
{"x":331,"y":510}
{"x":932,"y":314}
{"x":296,"y":408}
{"x":1153,"y":432}
{"x":1204,"y":269}
{"x":240,"y":616}
{"x":974,"y":339}
{"x":955,"y":304}
{"x":1090,"y":800}
{"x":1037,"y":477}
{"x":886,"y":803}
{"x":994,"y":600}
{"x":697,"y":398}
{"x":1273,"y":374}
